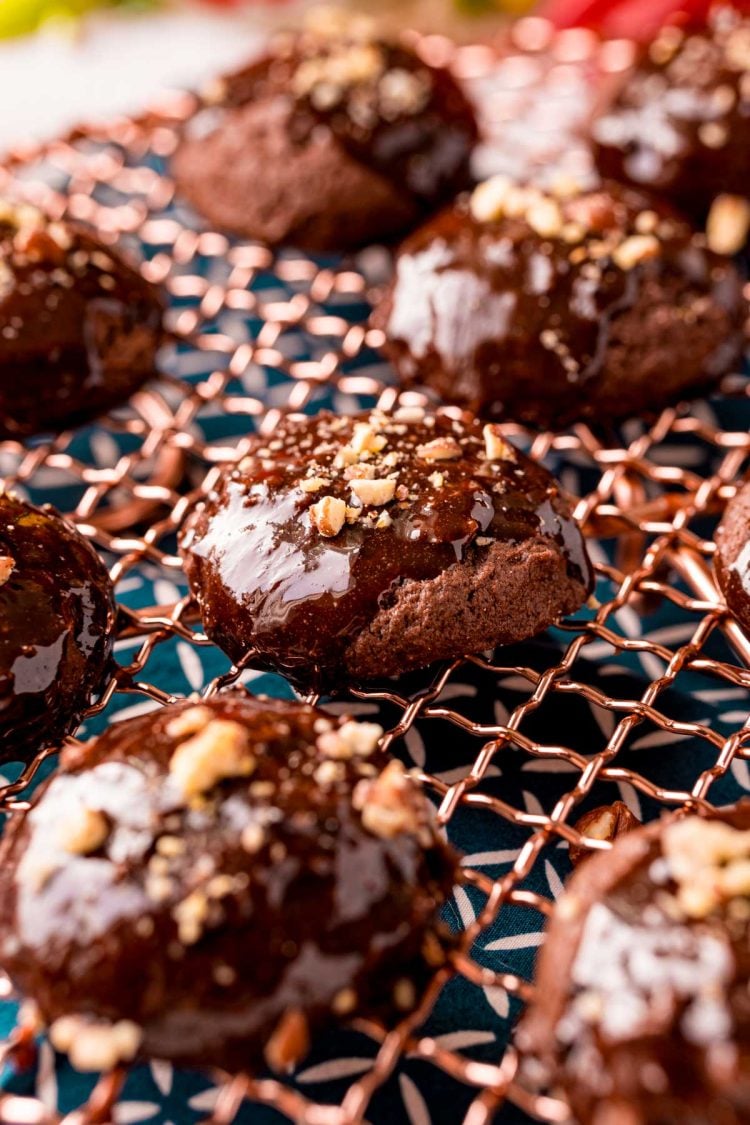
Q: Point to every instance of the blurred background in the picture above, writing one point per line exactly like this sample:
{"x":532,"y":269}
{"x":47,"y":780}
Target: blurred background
{"x":63,"y":62}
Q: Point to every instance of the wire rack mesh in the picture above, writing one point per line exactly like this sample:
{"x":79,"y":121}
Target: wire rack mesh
{"x":641,"y":695}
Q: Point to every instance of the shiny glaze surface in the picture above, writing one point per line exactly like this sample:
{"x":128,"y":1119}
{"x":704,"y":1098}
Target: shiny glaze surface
{"x":295,"y":903}
{"x":266,"y":578}
{"x":681,"y":121}
{"x":79,"y":328}
{"x":732,"y":559}
{"x":653,"y":1020}
{"x":510,"y":322}
{"x":56,"y":625}
{"x":408,"y":121}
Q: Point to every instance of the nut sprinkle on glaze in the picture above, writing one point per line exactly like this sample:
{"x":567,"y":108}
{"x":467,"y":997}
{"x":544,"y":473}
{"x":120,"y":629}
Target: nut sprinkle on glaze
{"x":551,"y":306}
{"x":79,"y":329}
{"x":57,"y":617}
{"x":347,"y":548}
{"x":642,"y":1013}
{"x":294,"y":882}
{"x":333,"y":140}
{"x":680,"y":124}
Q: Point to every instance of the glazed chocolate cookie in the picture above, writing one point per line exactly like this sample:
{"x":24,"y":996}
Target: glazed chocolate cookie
{"x":212,"y":882}
{"x":79,"y":328}
{"x":680,"y":124}
{"x":732,"y":561}
{"x":351,"y":548}
{"x":643,"y":1012}
{"x":57,"y":616}
{"x":333,"y":140}
{"x":553,"y":306}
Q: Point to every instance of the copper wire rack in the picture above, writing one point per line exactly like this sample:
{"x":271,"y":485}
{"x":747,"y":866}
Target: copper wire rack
{"x":252,"y":335}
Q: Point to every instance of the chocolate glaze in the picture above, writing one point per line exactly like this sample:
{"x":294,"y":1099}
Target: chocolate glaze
{"x":301,"y":900}
{"x":642,"y":1012}
{"x":405,"y":123}
{"x":681,"y":121}
{"x":732,"y":559}
{"x":266,"y":579}
{"x":546,"y":329}
{"x":56,"y":625}
{"x":79,"y":328}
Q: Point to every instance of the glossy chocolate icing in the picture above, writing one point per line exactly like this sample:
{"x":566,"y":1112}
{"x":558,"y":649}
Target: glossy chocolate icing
{"x":420,"y":136}
{"x":267,"y":579}
{"x":643,"y":1006}
{"x":332,"y":140}
{"x":79,"y":328}
{"x":681,"y":121}
{"x":57,"y":616}
{"x":615,"y":308}
{"x":301,"y":876}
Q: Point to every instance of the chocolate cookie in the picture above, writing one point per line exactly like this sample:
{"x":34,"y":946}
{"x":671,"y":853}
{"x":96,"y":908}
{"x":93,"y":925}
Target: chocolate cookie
{"x":732,"y":561}
{"x":211,"y":882}
{"x":553,"y":306}
{"x":642,"y":1012}
{"x":79,"y":328}
{"x":333,"y":140}
{"x":350,"y":548}
{"x":680,"y":123}
{"x":57,"y":615}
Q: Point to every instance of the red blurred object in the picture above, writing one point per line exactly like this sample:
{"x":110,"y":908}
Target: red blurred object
{"x":632,"y":19}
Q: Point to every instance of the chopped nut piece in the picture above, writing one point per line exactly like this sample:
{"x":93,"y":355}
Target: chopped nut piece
{"x":488,"y":199}
{"x":350,"y":740}
{"x":383,"y":520}
{"x":253,"y":838}
{"x":636,"y":249}
{"x":545,"y":217}
{"x":6,"y":568}
{"x":709,"y":861}
{"x":605,"y":823}
{"x":94,"y":1046}
{"x":329,"y":773}
{"x":375,"y":492}
{"x":312,"y":484}
{"x":409,"y":414}
{"x":190,"y":915}
{"x":82,"y":831}
{"x":289,"y":1042}
{"x":496,"y":447}
{"x":439,"y":449}
{"x":328,"y":516}
{"x":189,"y":722}
{"x":387,"y":802}
{"x":365,"y":439}
{"x":728,"y":224}
{"x":218,"y":751}
{"x":344,"y":1002}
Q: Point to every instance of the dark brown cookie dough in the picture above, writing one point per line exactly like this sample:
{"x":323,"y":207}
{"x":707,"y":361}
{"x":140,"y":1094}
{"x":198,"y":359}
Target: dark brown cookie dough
{"x":57,"y":617}
{"x":344,"y":549}
{"x":333,"y":140}
{"x":680,"y":124}
{"x":79,"y":328}
{"x":213,"y":882}
{"x":553,"y":306}
{"x":643,"y":1013}
{"x":732,"y":560}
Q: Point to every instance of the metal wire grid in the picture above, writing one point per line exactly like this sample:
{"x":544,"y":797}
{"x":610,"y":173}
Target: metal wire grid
{"x":282,"y":333}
